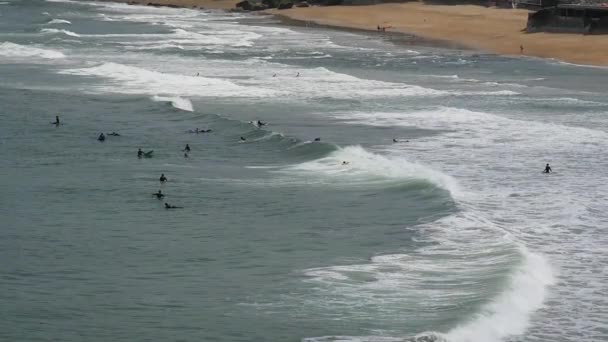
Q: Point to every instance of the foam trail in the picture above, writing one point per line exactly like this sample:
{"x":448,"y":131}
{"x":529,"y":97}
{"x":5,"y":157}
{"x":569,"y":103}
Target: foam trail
{"x":56,"y":31}
{"x":509,"y":314}
{"x":177,"y":102}
{"x":8,"y":49}
{"x":59,"y":21}
{"x":135,"y":80}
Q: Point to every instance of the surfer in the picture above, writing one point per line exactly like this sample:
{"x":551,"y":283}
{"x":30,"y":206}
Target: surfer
{"x":243,"y":139}
{"x":185,"y":154}
{"x":395,"y":140}
{"x":275,"y":75}
{"x":162,"y":178}
{"x":547,"y":169}
{"x":169,"y":206}
{"x":298,"y":75}
{"x":260,"y":123}
{"x":101,"y":137}
{"x":140,"y":153}
{"x":159,"y":195}
{"x":56,"y":123}
{"x":114,"y":134}
{"x":187,"y":149}
{"x":345,"y":163}
{"x":317,"y":139}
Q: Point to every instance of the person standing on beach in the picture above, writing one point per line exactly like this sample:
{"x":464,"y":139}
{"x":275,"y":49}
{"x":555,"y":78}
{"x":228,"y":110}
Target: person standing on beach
{"x":521,"y":49}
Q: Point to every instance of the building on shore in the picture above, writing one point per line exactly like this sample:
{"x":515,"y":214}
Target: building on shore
{"x":586,"y":16}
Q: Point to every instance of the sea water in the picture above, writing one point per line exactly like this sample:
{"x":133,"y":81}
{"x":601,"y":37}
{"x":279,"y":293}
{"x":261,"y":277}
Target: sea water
{"x":451,"y":233}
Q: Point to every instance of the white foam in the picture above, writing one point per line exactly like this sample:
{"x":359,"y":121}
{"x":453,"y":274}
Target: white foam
{"x":177,"y":102}
{"x":59,"y":31}
{"x":8,"y":49}
{"x":509,"y":313}
{"x":135,"y":80}
{"x":59,"y":21}
{"x":365,"y":167}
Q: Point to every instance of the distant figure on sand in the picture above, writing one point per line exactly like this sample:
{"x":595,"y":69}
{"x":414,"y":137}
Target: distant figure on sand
{"x":56,"y":123}
{"x":101,"y":137}
{"x":547,"y":169}
{"x":162,"y":178}
{"x":521,"y":49}
{"x":159,"y":194}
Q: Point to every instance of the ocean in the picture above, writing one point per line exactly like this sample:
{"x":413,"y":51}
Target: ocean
{"x":396,"y":192}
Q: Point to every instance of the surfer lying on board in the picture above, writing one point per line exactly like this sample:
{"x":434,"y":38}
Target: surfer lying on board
{"x":114,"y":134}
{"x":169,"y":206}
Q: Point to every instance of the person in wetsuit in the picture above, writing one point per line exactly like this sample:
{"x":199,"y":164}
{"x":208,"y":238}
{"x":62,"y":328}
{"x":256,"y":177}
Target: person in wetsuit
{"x":187,"y":149}
{"x":260,"y":123}
{"x":56,"y":123}
{"x":140,"y":153}
{"x":159,"y":195}
{"x":547,"y":169}
{"x":162,"y":178}
{"x":169,"y":206}
{"x":243,"y":139}
{"x":101,"y":137}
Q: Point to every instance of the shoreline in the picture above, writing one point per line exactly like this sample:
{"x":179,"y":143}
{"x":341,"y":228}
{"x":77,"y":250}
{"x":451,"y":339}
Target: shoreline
{"x":460,"y":27}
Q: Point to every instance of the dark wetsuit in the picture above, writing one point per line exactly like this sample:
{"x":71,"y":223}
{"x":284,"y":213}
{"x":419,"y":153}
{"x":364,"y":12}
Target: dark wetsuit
{"x":547,"y":169}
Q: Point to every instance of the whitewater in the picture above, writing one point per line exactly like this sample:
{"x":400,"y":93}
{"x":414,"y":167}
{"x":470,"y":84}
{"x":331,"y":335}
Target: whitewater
{"x":395,"y":194}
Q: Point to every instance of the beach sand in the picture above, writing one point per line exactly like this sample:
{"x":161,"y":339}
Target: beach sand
{"x":487,"y":29}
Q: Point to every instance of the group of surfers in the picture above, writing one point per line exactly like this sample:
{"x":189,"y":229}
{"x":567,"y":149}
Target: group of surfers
{"x":187,"y":150}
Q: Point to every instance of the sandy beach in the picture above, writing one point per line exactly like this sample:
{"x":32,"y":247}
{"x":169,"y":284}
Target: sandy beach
{"x":487,"y":29}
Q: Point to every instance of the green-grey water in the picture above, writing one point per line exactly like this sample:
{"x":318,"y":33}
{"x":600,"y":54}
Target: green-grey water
{"x":450,"y":233}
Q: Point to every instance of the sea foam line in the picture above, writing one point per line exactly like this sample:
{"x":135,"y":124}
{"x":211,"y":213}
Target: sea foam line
{"x":8,"y":49}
